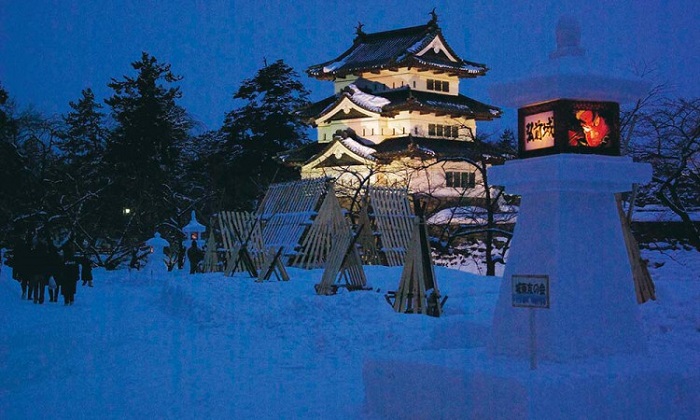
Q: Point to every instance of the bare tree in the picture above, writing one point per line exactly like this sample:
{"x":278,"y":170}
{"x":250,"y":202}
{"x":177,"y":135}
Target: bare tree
{"x":425,"y":173}
{"x":670,"y":141}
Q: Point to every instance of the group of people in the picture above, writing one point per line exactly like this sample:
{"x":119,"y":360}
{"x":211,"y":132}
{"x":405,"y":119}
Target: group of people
{"x":38,"y":264}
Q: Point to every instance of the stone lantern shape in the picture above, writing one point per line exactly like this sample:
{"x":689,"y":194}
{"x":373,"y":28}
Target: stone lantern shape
{"x":156,"y":259}
{"x":567,"y":295}
{"x":194,"y":231}
{"x":569,"y":237}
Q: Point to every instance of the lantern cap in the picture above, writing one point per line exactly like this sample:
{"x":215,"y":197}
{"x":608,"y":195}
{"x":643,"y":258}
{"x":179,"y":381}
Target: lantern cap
{"x":570,"y":73}
{"x":157,"y":241}
{"x":193,"y":225}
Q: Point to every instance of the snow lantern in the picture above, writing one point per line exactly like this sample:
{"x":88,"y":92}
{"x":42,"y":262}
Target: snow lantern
{"x":156,"y":259}
{"x":568,"y":285}
{"x":194,"y":231}
{"x":569,"y":126}
{"x":570,"y":103}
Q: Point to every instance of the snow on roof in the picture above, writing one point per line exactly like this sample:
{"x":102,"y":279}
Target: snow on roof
{"x":426,"y":150}
{"x":661,"y":214}
{"x":367,"y":101}
{"x":469,"y":215}
{"x":356,"y":147}
{"x":390,"y":49}
{"x":465,"y":66}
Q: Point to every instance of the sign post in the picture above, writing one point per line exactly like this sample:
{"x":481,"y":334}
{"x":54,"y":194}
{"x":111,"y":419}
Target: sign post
{"x":532,"y":292}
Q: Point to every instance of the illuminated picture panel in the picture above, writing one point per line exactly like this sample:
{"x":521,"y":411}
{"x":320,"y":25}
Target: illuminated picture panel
{"x":569,"y":126}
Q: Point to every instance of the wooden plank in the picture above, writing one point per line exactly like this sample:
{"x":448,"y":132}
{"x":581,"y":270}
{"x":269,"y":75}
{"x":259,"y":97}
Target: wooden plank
{"x":273,"y":265}
{"x":227,"y":243}
{"x":211,"y":257}
{"x":393,"y":219}
{"x":368,"y":239}
{"x":417,"y":277}
{"x":643,"y":284}
{"x":344,"y":263}
{"x":288,"y":210}
{"x":317,"y":242}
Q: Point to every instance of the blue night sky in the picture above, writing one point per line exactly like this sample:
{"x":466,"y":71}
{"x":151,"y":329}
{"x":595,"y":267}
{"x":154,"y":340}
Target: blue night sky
{"x":51,"y":50}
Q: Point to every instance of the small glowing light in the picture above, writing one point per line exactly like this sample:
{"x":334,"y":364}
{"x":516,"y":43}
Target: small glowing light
{"x":126,"y":210}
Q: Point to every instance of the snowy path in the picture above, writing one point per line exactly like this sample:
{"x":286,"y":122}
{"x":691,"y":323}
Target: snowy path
{"x":198,"y":347}
{"x":207,"y":346}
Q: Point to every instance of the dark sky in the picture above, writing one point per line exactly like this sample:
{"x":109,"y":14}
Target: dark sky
{"x":51,"y":49}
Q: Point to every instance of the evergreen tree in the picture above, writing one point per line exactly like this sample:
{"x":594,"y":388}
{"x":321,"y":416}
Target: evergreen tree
{"x":507,"y":143}
{"x":267,"y":124}
{"x":142,"y":153}
{"x":83,"y":142}
{"x":78,"y":181}
{"x":11,"y":165}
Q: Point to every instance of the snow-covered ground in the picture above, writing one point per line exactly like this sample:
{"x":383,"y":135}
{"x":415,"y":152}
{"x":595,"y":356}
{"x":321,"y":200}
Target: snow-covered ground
{"x":208,"y":346}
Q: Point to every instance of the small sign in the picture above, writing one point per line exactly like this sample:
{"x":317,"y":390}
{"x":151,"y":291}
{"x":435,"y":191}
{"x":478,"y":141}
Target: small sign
{"x":539,"y":131}
{"x":530,"y":291}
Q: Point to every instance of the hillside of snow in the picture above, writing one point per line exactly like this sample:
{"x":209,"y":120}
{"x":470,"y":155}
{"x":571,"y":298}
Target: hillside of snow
{"x":209,"y":346}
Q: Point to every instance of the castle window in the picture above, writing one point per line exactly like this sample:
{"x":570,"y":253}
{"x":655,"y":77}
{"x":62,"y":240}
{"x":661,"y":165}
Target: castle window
{"x":438,"y":85}
{"x":460,"y":179}
{"x":403,"y":130}
{"x":440,"y":130}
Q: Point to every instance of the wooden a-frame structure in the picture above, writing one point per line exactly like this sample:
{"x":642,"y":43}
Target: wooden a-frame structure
{"x":344,"y":266}
{"x":288,"y":211}
{"x":418,"y":290}
{"x":391,"y":219}
{"x":296,"y":223}
{"x":242,"y":242}
{"x":317,"y":243}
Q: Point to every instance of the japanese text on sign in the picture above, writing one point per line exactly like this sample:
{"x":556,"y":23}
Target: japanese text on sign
{"x":530,"y":291}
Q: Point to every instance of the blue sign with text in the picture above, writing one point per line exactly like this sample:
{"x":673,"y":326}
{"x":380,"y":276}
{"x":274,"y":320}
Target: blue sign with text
{"x":530,"y":291}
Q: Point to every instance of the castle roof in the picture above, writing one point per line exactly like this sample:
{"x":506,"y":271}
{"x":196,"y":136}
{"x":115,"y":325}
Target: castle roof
{"x":391,"y":148}
{"x":391,"y":102}
{"x":421,"y":47}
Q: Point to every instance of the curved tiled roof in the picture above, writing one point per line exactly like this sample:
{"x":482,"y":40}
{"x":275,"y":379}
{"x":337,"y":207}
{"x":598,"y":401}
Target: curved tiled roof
{"x":387,"y":150}
{"x":406,"y":99}
{"x":395,"y":49}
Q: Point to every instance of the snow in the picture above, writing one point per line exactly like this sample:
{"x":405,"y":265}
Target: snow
{"x":193,"y":226}
{"x":469,"y":215}
{"x":359,"y":149}
{"x":367,"y":101}
{"x":569,"y":230}
{"x":209,"y":346}
{"x":659,"y":214}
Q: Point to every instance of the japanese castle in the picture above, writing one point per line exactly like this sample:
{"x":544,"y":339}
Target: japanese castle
{"x":396,"y":117}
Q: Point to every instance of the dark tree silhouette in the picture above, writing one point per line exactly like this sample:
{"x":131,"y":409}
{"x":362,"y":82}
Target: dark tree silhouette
{"x":267,"y":123}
